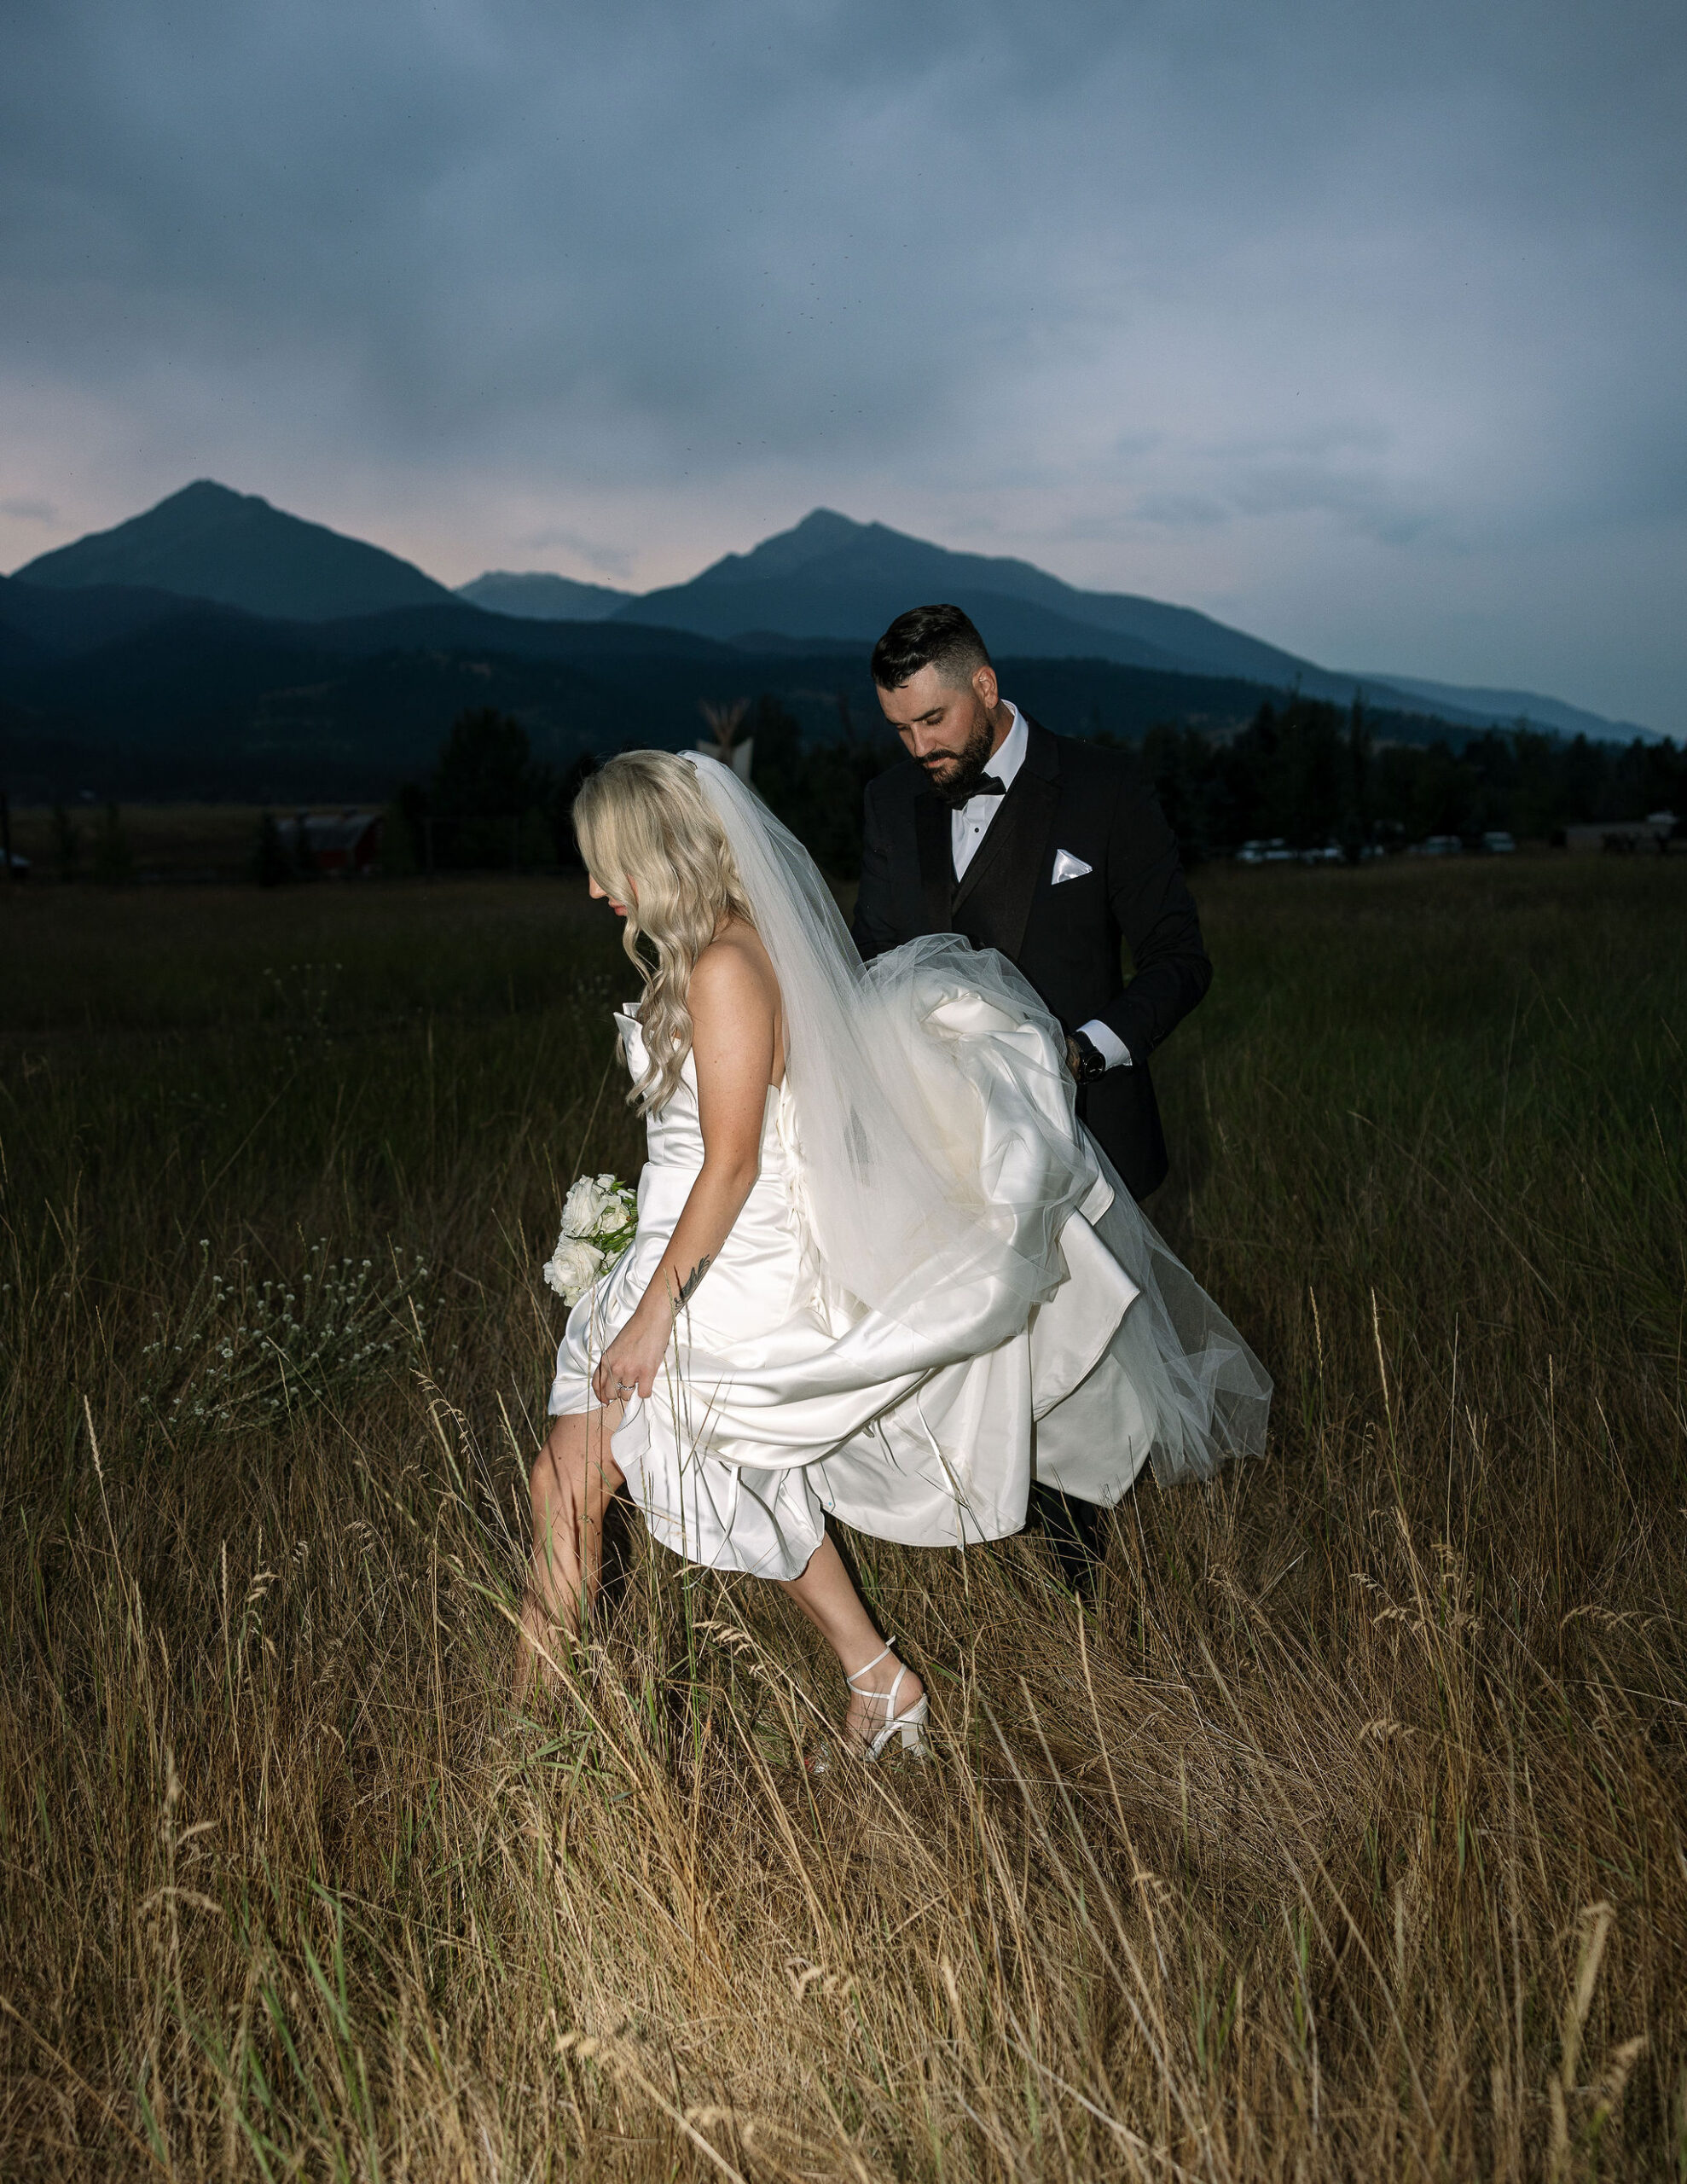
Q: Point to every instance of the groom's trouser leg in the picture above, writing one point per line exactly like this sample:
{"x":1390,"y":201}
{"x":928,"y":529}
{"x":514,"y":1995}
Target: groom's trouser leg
{"x":1074,"y":1531}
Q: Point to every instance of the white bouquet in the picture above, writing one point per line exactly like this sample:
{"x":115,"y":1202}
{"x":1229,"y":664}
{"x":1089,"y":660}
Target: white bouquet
{"x":599,"y":1217}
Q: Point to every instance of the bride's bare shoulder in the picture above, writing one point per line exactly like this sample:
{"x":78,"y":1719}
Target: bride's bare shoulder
{"x":733,"y":973}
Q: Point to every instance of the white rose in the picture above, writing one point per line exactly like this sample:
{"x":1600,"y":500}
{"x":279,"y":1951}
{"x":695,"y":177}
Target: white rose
{"x":581,"y":1208}
{"x":606,"y":1183}
{"x":614,"y":1214}
{"x":572,"y":1268}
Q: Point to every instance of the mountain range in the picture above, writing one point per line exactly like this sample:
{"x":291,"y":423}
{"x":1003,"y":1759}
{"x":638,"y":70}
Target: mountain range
{"x":827,"y":586}
{"x":145,"y":693}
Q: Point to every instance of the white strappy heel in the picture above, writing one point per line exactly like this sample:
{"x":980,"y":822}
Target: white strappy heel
{"x":907,"y":1726}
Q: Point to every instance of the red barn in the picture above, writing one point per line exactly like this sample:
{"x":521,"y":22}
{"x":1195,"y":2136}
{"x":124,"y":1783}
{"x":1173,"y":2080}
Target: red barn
{"x":332,"y":841}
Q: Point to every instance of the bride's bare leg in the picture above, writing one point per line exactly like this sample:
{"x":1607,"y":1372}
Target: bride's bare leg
{"x":832,"y":1604}
{"x":574,"y":1480}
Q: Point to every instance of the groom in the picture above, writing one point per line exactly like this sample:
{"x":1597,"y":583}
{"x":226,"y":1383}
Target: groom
{"x":1052,"y":852}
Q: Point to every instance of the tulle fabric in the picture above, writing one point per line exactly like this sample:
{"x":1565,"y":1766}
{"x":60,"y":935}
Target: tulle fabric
{"x":887,"y":1141}
{"x":1203,"y":1395}
{"x":1175,"y":1382}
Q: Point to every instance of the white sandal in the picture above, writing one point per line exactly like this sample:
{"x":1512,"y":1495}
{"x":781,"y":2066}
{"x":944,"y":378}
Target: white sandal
{"x":907,"y":1726}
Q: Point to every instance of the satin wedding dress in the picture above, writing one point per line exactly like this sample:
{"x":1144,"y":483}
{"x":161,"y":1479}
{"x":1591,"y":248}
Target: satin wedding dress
{"x":938,"y":1289}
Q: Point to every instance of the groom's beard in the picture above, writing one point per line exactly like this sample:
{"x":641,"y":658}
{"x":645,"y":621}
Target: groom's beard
{"x":965,"y":770}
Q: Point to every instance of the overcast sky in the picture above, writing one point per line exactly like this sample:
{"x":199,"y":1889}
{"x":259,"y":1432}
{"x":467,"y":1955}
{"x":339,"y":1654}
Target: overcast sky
{"x":1362,"y":326}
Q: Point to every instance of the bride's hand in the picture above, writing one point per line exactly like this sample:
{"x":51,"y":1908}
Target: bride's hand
{"x":633,"y":1359}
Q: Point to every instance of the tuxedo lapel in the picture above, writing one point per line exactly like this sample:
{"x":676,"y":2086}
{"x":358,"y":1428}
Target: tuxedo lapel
{"x":937,"y":860}
{"x":1002,"y":880}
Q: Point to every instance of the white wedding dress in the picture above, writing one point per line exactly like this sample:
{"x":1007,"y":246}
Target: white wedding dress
{"x":785,"y":1398}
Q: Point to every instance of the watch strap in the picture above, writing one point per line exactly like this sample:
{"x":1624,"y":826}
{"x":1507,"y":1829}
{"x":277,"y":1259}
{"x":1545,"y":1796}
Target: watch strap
{"x":1092,"y":1062}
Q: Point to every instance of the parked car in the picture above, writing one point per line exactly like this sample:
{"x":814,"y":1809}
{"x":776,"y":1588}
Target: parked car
{"x":1438,"y":846}
{"x":1276,"y":850}
{"x":1658,"y":830}
{"x":1332,"y":853}
{"x":1497,"y":842}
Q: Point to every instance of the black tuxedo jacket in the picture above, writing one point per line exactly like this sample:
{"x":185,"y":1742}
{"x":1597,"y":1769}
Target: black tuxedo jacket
{"x":1065,"y":939}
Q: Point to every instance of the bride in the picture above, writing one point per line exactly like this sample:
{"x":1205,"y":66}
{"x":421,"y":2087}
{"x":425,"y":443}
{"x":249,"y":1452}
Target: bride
{"x":880,"y":1271}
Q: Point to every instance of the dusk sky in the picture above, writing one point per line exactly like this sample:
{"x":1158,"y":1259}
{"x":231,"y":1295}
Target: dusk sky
{"x":1362,"y":326}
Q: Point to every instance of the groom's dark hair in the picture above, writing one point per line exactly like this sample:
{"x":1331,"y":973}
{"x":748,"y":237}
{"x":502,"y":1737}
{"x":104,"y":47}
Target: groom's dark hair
{"x":929,"y":636}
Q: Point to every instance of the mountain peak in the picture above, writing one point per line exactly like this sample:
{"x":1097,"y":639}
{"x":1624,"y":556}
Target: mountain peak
{"x":825,"y":528}
{"x":822,"y":531}
{"x":206,"y":497}
{"x":207,"y":493}
{"x":208,"y":542}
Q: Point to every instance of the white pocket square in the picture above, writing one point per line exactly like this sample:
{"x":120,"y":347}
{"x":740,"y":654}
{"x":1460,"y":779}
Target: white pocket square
{"x":1068,"y":867}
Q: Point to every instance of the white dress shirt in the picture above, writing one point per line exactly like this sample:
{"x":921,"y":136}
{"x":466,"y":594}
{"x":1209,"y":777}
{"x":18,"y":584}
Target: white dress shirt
{"x":967,"y":829}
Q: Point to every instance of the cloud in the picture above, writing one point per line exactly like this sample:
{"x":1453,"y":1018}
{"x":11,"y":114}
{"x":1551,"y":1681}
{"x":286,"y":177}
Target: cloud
{"x":1186,"y":299}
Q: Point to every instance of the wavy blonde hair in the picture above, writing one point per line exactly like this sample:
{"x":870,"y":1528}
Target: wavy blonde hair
{"x":650,"y":839}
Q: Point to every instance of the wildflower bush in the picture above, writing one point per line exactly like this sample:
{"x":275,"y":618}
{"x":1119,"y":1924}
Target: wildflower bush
{"x":244,"y":1349}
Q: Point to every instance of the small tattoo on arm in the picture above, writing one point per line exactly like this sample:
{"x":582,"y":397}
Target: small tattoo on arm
{"x":688,"y":1286}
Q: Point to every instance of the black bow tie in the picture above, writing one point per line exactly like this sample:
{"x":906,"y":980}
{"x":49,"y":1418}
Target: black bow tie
{"x":988,"y":785}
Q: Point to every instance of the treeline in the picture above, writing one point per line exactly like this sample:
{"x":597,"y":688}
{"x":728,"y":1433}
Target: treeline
{"x":1306,"y":770}
{"x":1313,"y":773}
{"x":490,"y":804}
{"x":816,"y":786}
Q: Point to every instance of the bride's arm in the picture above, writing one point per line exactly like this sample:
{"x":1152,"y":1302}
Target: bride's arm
{"x":732,"y":1001}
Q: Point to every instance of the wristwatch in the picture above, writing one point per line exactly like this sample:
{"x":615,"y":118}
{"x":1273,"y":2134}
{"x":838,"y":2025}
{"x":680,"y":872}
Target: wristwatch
{"x":1084,"y":1057}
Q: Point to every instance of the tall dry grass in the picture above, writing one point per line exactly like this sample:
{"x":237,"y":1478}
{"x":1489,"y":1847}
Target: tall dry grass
{"x":1344,"y":1838}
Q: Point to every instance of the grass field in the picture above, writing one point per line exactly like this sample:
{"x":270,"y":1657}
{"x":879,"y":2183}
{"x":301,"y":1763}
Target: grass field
{"x":1347,"y":1836}
{"x":173,"y":841}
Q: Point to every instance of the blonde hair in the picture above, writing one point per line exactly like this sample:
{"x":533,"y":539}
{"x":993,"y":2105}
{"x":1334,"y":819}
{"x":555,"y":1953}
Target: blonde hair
{"x":650,"y":839}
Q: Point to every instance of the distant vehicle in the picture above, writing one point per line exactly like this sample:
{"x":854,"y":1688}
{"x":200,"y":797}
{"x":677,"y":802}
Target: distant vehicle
{"x":1497,"y":842}
{"x":1657,"y":831}
{"x":1439,"y":846}
{"x":20,"y":866}
{"x":1276,"y":850}
{"x":1332,"y":853}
